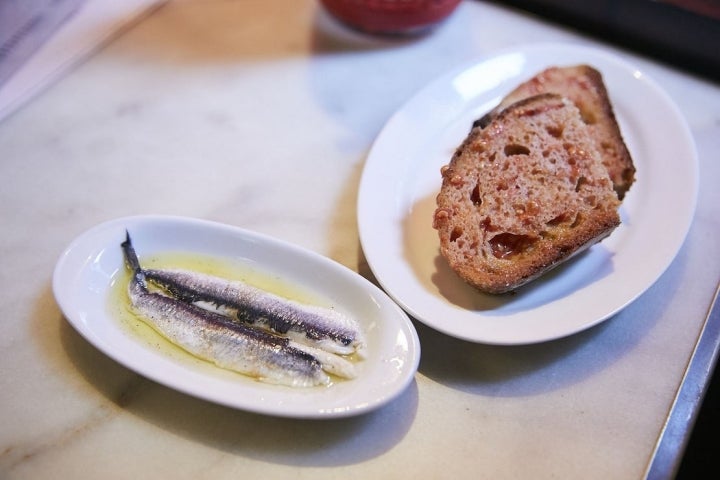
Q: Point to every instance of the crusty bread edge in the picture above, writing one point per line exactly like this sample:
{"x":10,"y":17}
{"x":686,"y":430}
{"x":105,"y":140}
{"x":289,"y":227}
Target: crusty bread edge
{"x":614,"y":128}
{"x":499,"y":287}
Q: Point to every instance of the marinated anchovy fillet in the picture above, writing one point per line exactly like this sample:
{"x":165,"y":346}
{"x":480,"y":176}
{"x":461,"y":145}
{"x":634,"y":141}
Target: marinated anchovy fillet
{"x":312,"y":325}
{"x":230,"y":345}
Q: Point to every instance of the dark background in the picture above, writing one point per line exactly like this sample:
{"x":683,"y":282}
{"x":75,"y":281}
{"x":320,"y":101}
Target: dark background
{"x":701,"y":459}
{"x":683,"y":33}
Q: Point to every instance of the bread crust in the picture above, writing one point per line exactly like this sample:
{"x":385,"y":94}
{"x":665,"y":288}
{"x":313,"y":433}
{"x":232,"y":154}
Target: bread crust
{"x":523,"y":194}
{"x":583,"y":85}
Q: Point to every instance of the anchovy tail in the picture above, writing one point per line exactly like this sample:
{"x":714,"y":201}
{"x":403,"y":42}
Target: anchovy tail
{"x":131,"y":259}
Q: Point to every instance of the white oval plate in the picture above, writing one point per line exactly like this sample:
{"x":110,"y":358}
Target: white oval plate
{"x":85,"y":273}
{"x":402,"y":177}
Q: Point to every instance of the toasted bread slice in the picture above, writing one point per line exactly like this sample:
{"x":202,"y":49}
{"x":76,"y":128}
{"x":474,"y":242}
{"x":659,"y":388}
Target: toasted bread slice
{"x":523,"y":194}
{"x":583,"y":85}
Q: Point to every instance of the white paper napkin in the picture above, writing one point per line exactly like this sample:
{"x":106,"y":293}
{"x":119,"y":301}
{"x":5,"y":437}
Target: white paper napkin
{"x":94,"y":24}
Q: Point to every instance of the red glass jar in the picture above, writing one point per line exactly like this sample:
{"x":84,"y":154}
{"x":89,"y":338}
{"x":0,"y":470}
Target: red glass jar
{"x":390,"y":16}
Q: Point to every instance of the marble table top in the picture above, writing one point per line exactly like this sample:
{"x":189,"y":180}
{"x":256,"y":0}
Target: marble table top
{"x":261,"y":114}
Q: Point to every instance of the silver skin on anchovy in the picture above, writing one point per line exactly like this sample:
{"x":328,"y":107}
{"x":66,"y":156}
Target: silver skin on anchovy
{"x":323,"y":328}
{"x":215,"y":338}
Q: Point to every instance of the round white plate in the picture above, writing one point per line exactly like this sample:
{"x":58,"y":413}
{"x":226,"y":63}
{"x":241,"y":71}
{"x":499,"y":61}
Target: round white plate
{"x":86,"y":271}
{"x":402,"y":177}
